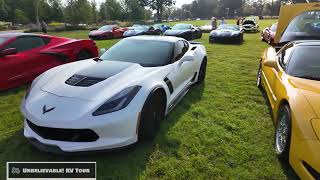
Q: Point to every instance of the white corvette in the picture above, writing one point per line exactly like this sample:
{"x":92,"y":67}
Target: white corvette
{"x":113,"y":101}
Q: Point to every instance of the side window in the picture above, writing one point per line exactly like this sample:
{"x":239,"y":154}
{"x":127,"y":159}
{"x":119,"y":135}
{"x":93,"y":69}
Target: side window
{"x":284,"y":55}
{"x":179,"y":50}
{"x":26,"y":43}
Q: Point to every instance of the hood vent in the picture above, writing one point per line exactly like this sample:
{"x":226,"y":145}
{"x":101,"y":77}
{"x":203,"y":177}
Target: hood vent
{"x":83,"y":81}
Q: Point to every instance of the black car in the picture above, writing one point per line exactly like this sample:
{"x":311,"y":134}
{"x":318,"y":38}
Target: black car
{"x":141,"y":30}
{"x":227,"y":33}
{"x":186,"y":31}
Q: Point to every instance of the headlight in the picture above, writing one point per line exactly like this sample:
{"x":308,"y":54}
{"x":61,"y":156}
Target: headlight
{"x":118,"y":102}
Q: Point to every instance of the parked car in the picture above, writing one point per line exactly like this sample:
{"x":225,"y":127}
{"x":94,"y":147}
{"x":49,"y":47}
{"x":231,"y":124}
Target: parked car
{"x":251,"y":24}
{"x":141,"y":30}
{"x":227,"y":33}
{"x":206,"y":28}
{"x":25,"y":56}
{"x":161,"y":27}
{"x":269,"y":33}
{"x":135,"y":83}
{"x":186,"y":31}
{"x":291,"y":79}
{"x":107,"y":32}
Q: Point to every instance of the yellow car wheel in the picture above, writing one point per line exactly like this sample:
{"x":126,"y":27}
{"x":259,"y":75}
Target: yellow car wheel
{"x":283,"y":133}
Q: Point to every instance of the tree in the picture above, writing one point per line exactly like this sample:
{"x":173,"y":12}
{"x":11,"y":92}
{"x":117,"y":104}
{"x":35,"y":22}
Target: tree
{"x":55,"y":10}
{"x":20,"y":16}
{"x":94,"y":11}
{"x":78,"y":11}
{"x":157,"y":5}
{"x":133,"y":11}
{"x":112,"y":10}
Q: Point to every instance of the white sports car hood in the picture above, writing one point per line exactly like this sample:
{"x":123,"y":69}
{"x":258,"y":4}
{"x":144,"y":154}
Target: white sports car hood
{"x":89,"y":80}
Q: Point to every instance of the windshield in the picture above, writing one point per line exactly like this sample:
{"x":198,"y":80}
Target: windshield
{"x":303,"y":26}
{"x":305,"y":62}
{"x":157,"y":26}
{"x":139,"y":28}
{"x":229,"y":27}
{"x":2,"y":40}
{"x":144,"y":52}
{"x":248,"y":22}
{"x":106,"y":28}
{"x":273,"y":28}
{"x":182,"y":27}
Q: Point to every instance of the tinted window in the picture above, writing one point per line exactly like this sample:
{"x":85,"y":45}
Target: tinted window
{"x":26,"y":43}
{"x":229,"y":26}
{"x":249,"y":22}
{"x":305,"y":62}
{"x":182,"y":27}
{"x":303,"y":26}
{"x":144,"y":52}
{"x":106,"y":28}
{"x":180,"y":49}
{"x":2,"y":40}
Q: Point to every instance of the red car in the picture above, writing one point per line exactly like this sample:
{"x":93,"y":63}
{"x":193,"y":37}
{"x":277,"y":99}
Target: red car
{"x":107,"y":32}
{"x":25,"y":56}
{"x":269,"y":33}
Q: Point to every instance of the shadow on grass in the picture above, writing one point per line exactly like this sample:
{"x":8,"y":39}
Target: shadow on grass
{"x":286,"y":168}
{"x":122,"y":164}
{"x":228,"y":42}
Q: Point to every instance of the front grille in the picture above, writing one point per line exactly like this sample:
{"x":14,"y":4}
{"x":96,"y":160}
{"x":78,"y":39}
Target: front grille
{"x":68,"y":135}
{"x":83,"y":81}
{"x":312,"y":171}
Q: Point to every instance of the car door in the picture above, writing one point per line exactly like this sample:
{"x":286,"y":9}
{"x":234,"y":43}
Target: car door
{"x":283,"y":58}
{"x":182,"y":70}
{"x":273,"y":76}
{"x":26,"y":64}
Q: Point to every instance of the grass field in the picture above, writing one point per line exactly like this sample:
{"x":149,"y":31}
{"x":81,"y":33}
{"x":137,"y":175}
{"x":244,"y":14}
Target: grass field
{"x":222,"y":130}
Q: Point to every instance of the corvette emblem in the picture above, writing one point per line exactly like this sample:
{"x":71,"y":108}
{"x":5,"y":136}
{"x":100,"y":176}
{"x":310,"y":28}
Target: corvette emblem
{"x":45,"y":110}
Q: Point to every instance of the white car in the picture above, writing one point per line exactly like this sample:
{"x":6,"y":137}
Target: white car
{"x":251,"y":24}
{"x":112,"y":101}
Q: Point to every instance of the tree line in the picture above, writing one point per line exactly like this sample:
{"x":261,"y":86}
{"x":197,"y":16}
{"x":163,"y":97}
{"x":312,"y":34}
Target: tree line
{"x":72,"y":11}
{"x":88,"y":11}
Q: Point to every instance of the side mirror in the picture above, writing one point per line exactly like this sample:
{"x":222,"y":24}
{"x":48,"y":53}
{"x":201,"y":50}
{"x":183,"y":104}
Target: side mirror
{"x":102,"y":51}
{"x":9,"y":51}
{"x":273,"y":63}
{"x":186,"y":58}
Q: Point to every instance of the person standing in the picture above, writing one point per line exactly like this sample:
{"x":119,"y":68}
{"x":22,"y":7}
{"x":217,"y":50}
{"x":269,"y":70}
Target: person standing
{"x":43,"y":27}
{"x":223,"y":21}
{"x":214,"y":23}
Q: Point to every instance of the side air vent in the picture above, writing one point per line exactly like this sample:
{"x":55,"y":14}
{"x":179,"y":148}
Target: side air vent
{"x":169,"y":84}
{"x":83,"y":81}
{"x":193,"y":48}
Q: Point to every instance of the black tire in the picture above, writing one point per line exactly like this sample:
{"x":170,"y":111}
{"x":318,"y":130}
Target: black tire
{"x":202,"y":71}
{"x":152,"y":114}
{"x":200,"y":35}
{"x":282,"y":135}
{"x":259,"y":76}
{"x":82,"y":55}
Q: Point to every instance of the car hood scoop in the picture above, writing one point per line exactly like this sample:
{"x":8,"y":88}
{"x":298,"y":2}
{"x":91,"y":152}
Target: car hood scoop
{"x":86,"y":80}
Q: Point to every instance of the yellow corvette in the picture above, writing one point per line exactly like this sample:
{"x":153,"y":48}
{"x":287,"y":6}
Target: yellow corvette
{"x":291,"y":79}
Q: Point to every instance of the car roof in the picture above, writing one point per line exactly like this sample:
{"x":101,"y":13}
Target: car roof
{"x":12,"y":34}
{"x":171,"y":39}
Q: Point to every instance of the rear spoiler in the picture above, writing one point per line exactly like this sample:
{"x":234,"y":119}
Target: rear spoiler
{"x":195,"y":43}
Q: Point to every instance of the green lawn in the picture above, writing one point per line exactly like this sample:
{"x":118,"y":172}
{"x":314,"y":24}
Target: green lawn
{"x":222,"y":130}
